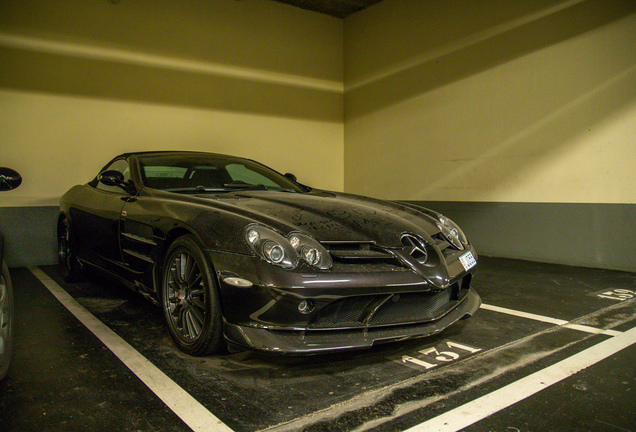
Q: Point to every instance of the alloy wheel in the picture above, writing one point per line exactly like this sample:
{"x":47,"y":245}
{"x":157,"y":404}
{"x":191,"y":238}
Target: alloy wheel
{"x":186,"y":296}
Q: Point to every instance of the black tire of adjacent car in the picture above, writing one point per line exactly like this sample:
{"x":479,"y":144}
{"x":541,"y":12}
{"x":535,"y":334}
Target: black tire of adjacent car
{"x":66,"y":252}
{"x":6,"y":321}
{"x":190,"y":299}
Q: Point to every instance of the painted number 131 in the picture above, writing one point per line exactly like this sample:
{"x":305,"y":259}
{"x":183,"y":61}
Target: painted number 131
{"x":453,"y":351}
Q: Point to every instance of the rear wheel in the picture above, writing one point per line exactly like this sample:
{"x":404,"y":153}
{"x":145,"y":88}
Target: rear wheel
{"x":190,"y":299}
{"x":66,"y":252}
{"x":6,"y":320}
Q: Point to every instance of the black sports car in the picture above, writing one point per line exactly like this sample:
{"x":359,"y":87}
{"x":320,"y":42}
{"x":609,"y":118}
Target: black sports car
{"x":236,"y":252}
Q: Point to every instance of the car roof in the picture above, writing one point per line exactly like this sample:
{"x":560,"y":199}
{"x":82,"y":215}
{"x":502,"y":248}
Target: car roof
{"x":171,"y":152}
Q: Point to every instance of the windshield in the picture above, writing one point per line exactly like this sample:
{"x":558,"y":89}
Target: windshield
{"x":210,"y":173}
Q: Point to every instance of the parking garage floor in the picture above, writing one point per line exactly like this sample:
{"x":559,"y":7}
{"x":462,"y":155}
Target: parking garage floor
{"x":552,"y":348}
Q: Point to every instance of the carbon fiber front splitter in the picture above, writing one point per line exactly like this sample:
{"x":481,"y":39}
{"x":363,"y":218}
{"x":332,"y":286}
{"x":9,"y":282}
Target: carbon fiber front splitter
{"x":320,"y":341}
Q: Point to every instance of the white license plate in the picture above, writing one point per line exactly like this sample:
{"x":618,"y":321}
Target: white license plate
{"x":468,"y":260}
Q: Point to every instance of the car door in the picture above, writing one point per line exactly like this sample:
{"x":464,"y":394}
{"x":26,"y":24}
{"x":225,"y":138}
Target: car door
{"x":96,"y":220}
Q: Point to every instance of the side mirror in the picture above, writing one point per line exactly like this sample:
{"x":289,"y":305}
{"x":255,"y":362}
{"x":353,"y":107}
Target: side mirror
{"x":112,"y":178}
{"x":9,"y":179}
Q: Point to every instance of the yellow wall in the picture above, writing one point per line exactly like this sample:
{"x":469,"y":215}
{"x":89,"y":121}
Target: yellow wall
{"x":496,"y":101}
{"x":82,"y":81}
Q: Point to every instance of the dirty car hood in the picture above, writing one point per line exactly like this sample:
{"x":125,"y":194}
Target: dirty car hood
{"x":332,"y":217}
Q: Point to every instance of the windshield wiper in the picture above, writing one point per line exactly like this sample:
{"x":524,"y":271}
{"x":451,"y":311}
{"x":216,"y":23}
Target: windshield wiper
{"x":195,"y":190}
{"x":245,"y":186}
{"x":229,"y":187}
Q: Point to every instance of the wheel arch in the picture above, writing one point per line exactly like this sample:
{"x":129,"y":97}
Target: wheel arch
{"x":162,"y":251}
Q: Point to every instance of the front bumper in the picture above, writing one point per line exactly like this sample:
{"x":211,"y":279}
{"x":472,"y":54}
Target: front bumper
{"x":304,"y":311}
{"x":319,"y":341}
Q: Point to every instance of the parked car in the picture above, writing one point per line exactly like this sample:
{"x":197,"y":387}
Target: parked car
{"x":9,"y":179}
{"x":235,"y":252}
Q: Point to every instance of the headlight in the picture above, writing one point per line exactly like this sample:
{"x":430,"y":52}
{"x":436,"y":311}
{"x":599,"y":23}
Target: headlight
{"x":451,"y":231}
{"x":287,"y":252}
{"x":271,"y":246}
{"x":274,"y":252}
{"x":311,"y":251}
{"x":311,"y":256}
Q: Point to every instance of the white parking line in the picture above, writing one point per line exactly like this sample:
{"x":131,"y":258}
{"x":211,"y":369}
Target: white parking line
{"x":472,"y":412}
{"x":198,"y":418}
{"x":523,"y":314}
{"x":195,"y":415}
{"x":550,"y":320}
{"x":593,"y":330}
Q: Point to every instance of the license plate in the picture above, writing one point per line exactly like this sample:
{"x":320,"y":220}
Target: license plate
{"x":468,"y":260}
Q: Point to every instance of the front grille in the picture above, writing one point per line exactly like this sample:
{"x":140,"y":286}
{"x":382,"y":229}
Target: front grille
{"x":355,"y":257}
{"x":416,"y":247}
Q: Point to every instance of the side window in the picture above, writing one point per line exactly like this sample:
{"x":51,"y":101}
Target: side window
{"x":120,"y":165}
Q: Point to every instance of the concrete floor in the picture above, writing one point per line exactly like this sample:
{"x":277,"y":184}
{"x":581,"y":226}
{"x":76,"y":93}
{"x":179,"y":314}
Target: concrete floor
{"x":63,"y":378}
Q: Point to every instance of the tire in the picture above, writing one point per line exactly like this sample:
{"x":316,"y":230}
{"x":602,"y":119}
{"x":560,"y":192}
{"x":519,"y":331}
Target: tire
{"x":6,"y":320}
{"x":70,"y":266}
{"x":190,"y":300}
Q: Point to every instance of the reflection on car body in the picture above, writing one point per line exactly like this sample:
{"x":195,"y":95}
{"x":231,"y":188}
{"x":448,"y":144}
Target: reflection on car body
{"x":237,"y":253}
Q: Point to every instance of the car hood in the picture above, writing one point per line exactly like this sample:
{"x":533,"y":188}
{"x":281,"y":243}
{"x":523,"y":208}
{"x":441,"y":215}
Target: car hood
{"x":332,"y":217}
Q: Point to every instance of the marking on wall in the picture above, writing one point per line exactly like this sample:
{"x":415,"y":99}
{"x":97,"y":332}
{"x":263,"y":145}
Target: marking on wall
{"x":195,"y":415}
{"x":549,"y":320}
{"x":479,"y":409}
